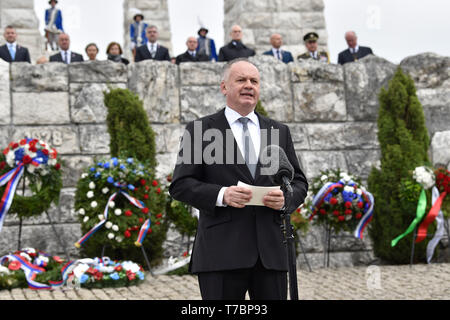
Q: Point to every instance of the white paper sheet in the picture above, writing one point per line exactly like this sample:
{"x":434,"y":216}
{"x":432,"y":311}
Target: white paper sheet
{"x":258,"y":193}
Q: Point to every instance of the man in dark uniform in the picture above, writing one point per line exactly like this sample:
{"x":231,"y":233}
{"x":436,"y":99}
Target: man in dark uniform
{"x":235,"y":49}
{"x":354,"y":51}
{"x":311,"y":44}
{"x":191,"y":54}
{"x":11,"y":51}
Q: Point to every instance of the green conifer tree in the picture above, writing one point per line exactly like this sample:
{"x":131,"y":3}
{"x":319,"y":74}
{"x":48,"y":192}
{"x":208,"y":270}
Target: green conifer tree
{"x":404,"y":142}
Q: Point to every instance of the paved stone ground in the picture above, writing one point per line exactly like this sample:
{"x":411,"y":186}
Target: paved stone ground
{"x":374,"y":282}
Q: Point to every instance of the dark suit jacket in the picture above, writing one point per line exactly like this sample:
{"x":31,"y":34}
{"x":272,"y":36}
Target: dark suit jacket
{"x":186,"y":57}
{"x":230,"y":238}
{"x":286,"y":56}
{"x":345,"y":56}
{"x":234,"y":50}
{"x":74,"y":57}
{"x":142,"y":53}
{"x":22,"y":54}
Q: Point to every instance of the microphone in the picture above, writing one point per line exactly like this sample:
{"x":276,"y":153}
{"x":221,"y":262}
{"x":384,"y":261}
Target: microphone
{"x":275,"y":164}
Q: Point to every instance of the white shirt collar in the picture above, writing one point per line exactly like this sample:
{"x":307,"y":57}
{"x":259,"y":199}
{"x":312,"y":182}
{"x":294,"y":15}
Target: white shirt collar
{"x":233,"y":116}
{"x":355,"y":49}
{"x":149,"y":45}
{"x":14,"y":44}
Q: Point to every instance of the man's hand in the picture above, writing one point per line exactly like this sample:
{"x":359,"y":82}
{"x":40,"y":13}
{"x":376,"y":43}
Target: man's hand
{"x":237,"y":196}
{"x":274,"y":199}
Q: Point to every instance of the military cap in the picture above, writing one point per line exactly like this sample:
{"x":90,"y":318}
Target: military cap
{"x":311,"y":36}
{"x":202,"y":28}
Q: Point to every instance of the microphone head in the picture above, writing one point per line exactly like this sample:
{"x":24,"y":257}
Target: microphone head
{"x":275,"y":164}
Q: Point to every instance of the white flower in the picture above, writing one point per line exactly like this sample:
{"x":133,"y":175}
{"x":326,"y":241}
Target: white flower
{"x":324,"y":178}
{"x":115,"y":227}
{"x":86,"y":219}
{"x":80,"y":269}
{"x":26,"y":256}
{"x":90,"y":194}
{"x":119,"y":239}
{"x":128,"y":265}
{"x":82,"y":211}
{"x":358,"y":192}
{"x":348,"y":189}
{"x":91,"y":185}
{"x":111,"y":204}
{"x":108,"y":225}
{"x":117,"y":212}
{"x":4,"y":270}
{"x":101,"y":217}
{"x":51,"y":162}
{"x":31,"y":169}
{"x":110,"y":236}
{"x":105,"y":190}
{"x":84,"y":175}
{"x":424,"y":176}
{"x":94,"y":204}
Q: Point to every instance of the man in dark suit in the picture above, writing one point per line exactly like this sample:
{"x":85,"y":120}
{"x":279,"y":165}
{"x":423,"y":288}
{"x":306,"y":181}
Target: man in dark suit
{"x":65,"y":55}
{"x":277,"y":41}
{"x":11,"y":51}
{"x":354,"y":51}
{"x":238,"y":247}
{"x":235,"y":49}
{"x":191,"y":54}
{"x":152,"y":50}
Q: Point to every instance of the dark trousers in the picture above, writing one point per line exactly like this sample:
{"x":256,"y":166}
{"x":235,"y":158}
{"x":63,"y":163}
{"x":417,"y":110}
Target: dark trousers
{"x":261,"y":284}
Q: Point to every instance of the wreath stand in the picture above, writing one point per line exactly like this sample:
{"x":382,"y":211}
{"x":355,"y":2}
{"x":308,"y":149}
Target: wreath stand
{"x":329,"y":233}
{"x":58,"y":239}
{"x":446,"y":227}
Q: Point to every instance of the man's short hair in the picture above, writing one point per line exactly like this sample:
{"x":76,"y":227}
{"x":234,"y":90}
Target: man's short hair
{"x":226,"y":69}
{"x":151,"y":27}
{"x":9,"y":27}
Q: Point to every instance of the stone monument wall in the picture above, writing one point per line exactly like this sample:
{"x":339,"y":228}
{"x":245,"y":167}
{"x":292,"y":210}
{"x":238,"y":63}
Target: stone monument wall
{"x":290,"y":18}
{"x":330,"y":109}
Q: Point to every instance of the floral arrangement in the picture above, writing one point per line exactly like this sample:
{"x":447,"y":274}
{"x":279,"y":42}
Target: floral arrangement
{"x":38,"y":270}
{"x":340,"y":201}
{"x":38,"y":164}
{"x":120,"y":204}
{"x":443,"y":180}
{"x":299,"y":218}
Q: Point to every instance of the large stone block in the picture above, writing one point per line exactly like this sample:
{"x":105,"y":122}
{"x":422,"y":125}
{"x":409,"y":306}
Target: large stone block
{"x":436,"y":108}
{"x":319,"y":102}
{"x":360,"y":162}
{"x":313,"y":20}
{"x":168,"y":137}
{"x":40,"y":108}
{"x":313,"y":162}
{"x":63,"y":138}
{"x":315,"y":71}
{"x":156,"y":84}
{"x":98,"y":71}
{"x":440,"y":148}
{"x":5,"y":98}
{"x":166,"y":164}
{"x":201,"y":74}
{"x":87,"y":101}
{"x":275,"y":88}
{"x":73,"y":167}
{"x":363,"y":81}
{"x":299,"y":136}
{"x":287,"y":20}
{"x":21,"y":18}
{"x":342,"y":136}
{"x":37,"y":78}
{"x":428,"y":70}
{"x":197,"y":102}
{"x":94,"y":139}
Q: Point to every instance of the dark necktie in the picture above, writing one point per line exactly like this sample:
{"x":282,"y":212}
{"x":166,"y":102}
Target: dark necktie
{"x":278,"y":55}
{"x":249,"y":149}
{"x":65,"y":57}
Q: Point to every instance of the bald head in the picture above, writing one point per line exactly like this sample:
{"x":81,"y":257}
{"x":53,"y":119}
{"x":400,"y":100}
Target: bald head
{"x":351,"y":38}
{"x":64,"y":41}
{"x":236,"y":33}
{"x":191,"y":43}
{"x":276,"y":40}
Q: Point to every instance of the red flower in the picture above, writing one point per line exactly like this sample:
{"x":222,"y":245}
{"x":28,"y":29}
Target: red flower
{"x":32,"y":144}
{"x":333,"y":201}
{"x":341,"y":218}
{"x":348,"y":204}
{"x":154,"y":183}
{"x":57,"y":259}
{"x":5,"y":151}
{"x":169,"y":178}
{"x":358,"y":215}
{"x":91,"y":271}
{"x":141,"y":220}
{"x":159,"y":215}
{"x":98,"y":275}
{"x":118,"y":268}
{"x":2,"y":165}
{"x":127,"y":234}
{"x":14,"y":265}
{"x":143,"y":182}
{"x":298,"y":210}
{"x":158,"y":222}
{"x":348,"y":212}
{"x":150,"y":230}
{"x":128,"y":213}
{"x":145,"y":210}
{"x":57,"y":166}
{"x":26,"y":159}
{"x":45,"y":152}
{"x":185,"y":254}
{"x":23,"y":142}
{"x":336,"y":213}
{"x":33,"y":149}
{"x":15,"y":145}
{"x":158,"y":191}
{"x":323,"y":211}
{"x":145,"y":196}
{"x":130,"y":275}
{"x":360,"y":204}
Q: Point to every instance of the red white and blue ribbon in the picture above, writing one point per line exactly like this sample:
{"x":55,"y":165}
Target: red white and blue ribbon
{"x":320,"y":196}
{"x":66,"y":270}
{"x":11,"y":178}
{"x":29,"y":269}
{"x":133,"y":201}
{"x":367,"y":216}
{"x":142,"y":233}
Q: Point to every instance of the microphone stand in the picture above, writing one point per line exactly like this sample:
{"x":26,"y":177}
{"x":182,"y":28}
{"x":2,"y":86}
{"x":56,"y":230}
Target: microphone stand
{"x":288,"y":232}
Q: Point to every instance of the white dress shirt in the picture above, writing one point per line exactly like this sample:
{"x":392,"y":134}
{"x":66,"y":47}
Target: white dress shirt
{"x":354,"y":50}
{"x":237,"y":129}
{"x":274,"y":51}
{"x":155,"y":46}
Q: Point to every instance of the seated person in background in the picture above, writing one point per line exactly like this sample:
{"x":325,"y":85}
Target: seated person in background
{"x":277,"y":41}
{"x":11,"y":51}
{"x":235,"y":49}
{"x":114,"y":52}
{"x":65,"y":55}
{"x":191,"y":54}
{"x":152,"y":50}
{"x":91,"y":51}
{"x":312,"y":53}
{"x":354,"y":51}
